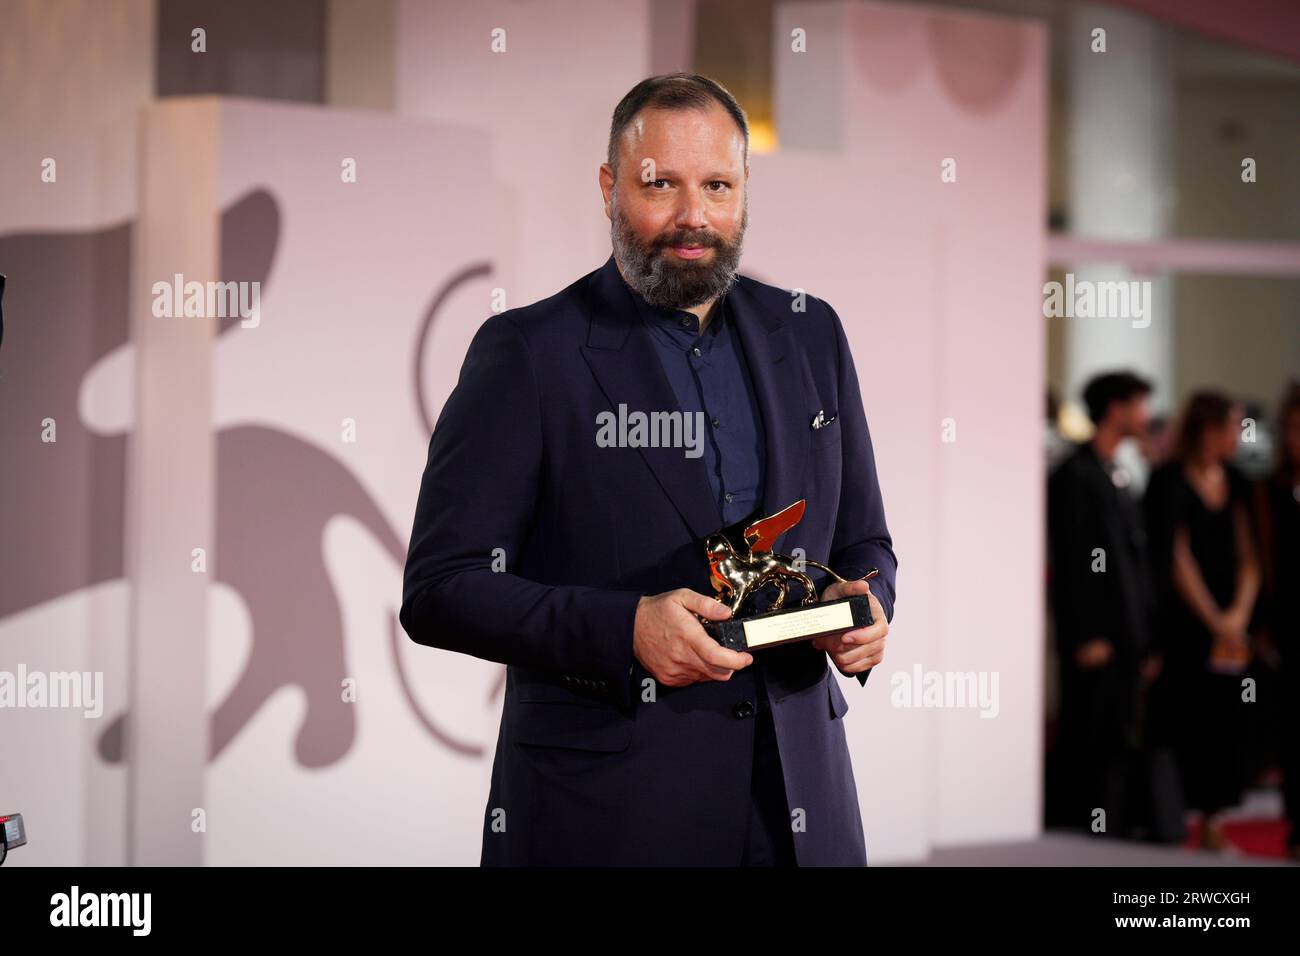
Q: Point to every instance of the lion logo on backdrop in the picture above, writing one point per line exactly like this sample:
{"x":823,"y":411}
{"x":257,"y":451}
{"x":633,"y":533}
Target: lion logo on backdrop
{"x":63,"y":509}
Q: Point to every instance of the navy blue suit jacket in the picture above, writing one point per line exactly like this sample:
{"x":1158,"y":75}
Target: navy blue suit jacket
{"x":595,"y":763}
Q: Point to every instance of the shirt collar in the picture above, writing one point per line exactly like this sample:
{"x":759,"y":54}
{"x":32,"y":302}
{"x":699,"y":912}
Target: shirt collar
{"x":683,"y":324}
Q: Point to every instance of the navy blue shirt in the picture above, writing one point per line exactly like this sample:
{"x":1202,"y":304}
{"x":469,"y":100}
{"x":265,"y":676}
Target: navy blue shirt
{"x":709,"y":374}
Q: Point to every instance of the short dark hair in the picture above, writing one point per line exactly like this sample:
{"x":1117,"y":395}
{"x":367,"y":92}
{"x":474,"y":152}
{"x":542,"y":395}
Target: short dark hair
{"x":1103,"y":390}
{"x":671,"y":91}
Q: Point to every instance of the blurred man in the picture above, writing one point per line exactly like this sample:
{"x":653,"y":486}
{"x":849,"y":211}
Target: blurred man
{"x":1102,"y":599}
{"x":1156,"y":443}
{"x":629,"y":736}
{"x":1058,"y":446}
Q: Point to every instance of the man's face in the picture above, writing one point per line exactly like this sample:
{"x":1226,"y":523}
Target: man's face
{"x":677,"y":207}
{"x":1135,"y":416}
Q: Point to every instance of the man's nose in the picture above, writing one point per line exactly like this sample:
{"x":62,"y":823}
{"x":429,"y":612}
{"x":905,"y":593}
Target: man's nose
{"x":690,"y":213}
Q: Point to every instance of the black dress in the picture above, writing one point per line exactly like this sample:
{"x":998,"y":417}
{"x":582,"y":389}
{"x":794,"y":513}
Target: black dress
{"x":1199,"y":713}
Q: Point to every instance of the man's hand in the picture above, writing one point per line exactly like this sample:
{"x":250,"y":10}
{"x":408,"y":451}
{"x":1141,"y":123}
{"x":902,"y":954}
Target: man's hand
{"x":673,"y":646}
{"x":1151,"y":667}
{"x":1093,"y":654}
{"x":858,"y":650}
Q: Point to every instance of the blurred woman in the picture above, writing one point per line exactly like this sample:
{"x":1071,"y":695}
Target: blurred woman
{"x":1199,"y":515}
{"x":1280,"y":532}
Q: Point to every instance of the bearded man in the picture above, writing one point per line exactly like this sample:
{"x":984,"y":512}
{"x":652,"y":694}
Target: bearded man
{"x":573,"y":552}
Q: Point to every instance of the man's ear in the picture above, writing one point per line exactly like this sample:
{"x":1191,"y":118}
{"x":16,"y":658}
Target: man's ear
{"x":606,"y":179}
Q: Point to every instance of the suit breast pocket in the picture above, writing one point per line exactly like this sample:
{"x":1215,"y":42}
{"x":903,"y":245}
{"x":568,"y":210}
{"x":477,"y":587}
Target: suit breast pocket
{"x":828,"y":434}
{"x":825,"y":462}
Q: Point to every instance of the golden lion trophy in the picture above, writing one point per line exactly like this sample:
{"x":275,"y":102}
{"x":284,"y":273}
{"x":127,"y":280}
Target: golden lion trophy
{"x":742,"y":563}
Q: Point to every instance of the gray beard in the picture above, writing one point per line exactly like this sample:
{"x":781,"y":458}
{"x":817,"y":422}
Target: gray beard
{"x":668,"y":282}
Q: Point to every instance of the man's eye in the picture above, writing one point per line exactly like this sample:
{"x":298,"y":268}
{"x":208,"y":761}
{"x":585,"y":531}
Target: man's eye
{"x":655,"y":182}
{"x":718,"y":182}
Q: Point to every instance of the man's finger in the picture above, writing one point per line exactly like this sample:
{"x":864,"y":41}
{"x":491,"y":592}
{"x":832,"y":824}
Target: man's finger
{"x":858,"y":652}
{"x":856,"y":636}
{"x":878,"y":627}
{"x":703,"y":605}
{"x":857,"y":667}
{"x":859,"y":658}
{"x":843,"y":589}
{"x":862,"y":635}
{"x":714,"y":655}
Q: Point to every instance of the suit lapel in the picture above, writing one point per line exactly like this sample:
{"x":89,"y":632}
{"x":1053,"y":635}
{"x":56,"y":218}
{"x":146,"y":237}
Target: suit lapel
{"x":624,"y":362}
{"x":781,"y":386}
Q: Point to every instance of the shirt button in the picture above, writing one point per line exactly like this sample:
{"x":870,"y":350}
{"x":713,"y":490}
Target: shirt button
{"x":696,"y":351}
{"x":729,"y":497}
{"x":716,"y":423}
{"x":744,"y":709}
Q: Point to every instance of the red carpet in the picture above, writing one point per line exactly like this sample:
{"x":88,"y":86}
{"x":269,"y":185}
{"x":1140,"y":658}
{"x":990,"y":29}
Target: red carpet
{"x":1254,"y":837}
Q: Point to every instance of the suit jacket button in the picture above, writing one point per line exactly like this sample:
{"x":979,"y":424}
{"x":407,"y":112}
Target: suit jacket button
{"x":744,"y":709}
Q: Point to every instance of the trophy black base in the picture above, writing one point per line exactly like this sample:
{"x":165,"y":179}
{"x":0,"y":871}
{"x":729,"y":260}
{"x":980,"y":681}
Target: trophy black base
{"x":774,"y":628}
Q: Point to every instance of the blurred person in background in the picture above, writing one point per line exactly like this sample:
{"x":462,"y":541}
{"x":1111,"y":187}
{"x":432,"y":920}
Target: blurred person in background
{"x":1058,"y":446}
{"x":1279,"y":521}
{"x":1207,"y":574}
{"x":1156,"y":442}
{"x":1102,"y":599}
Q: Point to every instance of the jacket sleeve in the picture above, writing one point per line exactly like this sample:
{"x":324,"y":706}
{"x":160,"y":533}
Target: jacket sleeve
{"x":479,"y":493}
{"x":1075,"y":530}
{"x":861,"y":540}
